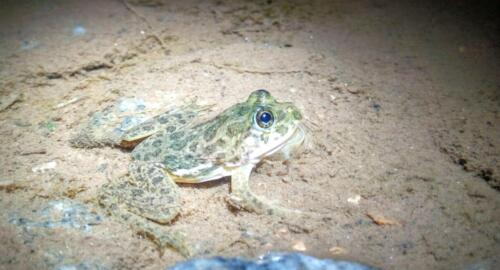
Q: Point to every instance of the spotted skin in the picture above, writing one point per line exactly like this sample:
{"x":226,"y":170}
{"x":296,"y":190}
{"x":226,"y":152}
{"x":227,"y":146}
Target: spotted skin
{"x":168,"y":121}
{"x":174,"y":149}
{"x":135,"y":200}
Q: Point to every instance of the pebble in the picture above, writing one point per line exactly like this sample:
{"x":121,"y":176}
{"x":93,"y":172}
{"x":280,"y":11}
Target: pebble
{"x":27,"y":45}
{"x":79,"y":30}
{"x":68,"y":102}
{"x":337,"y":250}
{"x":354,"y":200}
{"x":44,"y":167}
{"x":299,"y":246}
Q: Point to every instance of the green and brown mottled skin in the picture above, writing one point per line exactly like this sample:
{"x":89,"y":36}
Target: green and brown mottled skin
{"x":170,"y":148}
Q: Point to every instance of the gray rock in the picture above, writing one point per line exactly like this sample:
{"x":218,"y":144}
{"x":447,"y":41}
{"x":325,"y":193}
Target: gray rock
{"x":271,"y":261}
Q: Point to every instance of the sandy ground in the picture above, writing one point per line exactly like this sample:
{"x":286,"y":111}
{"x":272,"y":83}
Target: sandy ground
{"x":404,"y":165}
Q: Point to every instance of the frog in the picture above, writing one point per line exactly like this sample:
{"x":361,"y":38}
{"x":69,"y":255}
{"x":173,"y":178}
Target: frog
{"x":173,"y":148}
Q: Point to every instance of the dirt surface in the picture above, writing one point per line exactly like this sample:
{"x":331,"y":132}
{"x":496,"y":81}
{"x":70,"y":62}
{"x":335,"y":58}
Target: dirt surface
{"x":404,"y":164}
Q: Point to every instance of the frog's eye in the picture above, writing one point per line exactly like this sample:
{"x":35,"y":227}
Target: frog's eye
{"x":264,"y":118}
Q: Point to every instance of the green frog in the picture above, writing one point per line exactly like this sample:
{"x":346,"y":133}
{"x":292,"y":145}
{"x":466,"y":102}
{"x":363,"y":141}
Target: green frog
{"x":175,"y":148}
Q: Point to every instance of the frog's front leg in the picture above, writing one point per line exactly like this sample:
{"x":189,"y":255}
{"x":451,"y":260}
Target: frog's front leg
{"x":242,"y":197}
{"x":146,"y":200}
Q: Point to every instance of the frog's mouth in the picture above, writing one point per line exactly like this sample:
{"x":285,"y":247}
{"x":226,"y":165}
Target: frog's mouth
{"x":290,"y":142}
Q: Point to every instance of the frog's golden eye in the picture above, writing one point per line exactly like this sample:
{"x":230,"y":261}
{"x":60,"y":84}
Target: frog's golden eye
{"x":264,"y":118}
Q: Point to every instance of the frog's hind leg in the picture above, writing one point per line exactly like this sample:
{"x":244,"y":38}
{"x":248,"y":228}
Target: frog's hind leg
{"x":243,"y":197}
{"x":146,"y":200}
{"x":106,"y":127}
{"x":126,"y":123}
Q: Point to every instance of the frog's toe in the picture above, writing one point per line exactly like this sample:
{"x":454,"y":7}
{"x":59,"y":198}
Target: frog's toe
{"x":254,"y":204}
{"x":162,"y":236}
{"x":173,"y":240}
{"x":89,"y":137}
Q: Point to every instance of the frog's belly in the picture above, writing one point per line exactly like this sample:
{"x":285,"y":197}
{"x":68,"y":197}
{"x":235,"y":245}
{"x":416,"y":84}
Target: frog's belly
{"x":199,"y":174}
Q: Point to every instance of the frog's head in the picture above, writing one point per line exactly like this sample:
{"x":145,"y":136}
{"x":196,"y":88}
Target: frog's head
{"x":272,"y":127}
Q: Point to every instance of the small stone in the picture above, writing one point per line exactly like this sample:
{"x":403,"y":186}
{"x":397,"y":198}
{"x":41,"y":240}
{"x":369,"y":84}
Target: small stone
{"x":337,"y":250}
{"x":283,"y":230}
{"x":354,"y":200}
{"x":380,"y":220}
{"x":68,"y":102}
{"x":299,"y":246}
{"x":352,"y":90}
{"x":102,"y":167}
{"x":44,"y":167}
{"x":29,"y":44}
{"x":79,"y":30}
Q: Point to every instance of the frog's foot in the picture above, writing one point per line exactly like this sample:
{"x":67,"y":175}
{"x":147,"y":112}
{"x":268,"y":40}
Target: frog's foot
{"x":147,"y":200}
{"x":251,"y":202}
{"x":242,"y":198}
{"x":99,"y":131}
{"x":161,"y":236}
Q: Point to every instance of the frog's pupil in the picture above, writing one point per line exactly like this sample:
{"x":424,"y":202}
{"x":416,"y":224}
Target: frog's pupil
{"x":265,"y":117}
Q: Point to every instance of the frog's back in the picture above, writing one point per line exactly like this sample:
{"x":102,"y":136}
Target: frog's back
{"x":176,"y":150}
{"x":198,"y":153}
